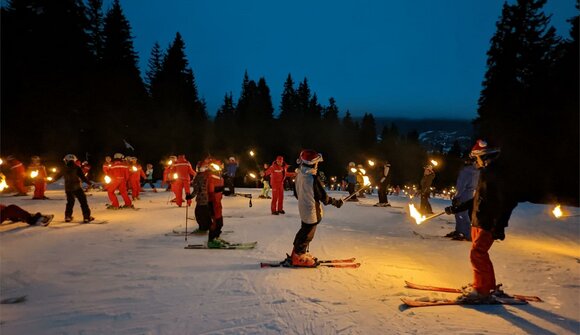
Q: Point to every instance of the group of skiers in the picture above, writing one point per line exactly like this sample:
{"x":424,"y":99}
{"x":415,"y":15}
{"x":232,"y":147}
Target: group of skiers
{"x":481,"y":200}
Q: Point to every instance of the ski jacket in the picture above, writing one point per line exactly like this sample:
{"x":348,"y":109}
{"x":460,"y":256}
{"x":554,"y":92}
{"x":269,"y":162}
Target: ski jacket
{"x":41,"y":171}
{"x":106,"y":168}
{"x":351,"y":177}
{"x":231,"y":169}
{"x":278,"y":173}
{"x":309,"y":191}
{"x":149,"y":174}
{"x":119,"y":170}
{"x":466,"y":183}
{"x":17,"y":169}
{"x":426,"y":182}
{"x":73,"y":176}
{"x":136,"y":172}
{"x":183,"y":169}
{"x":200,"y":188}
{"x":383,"y":174}
{"x":86,"y":168}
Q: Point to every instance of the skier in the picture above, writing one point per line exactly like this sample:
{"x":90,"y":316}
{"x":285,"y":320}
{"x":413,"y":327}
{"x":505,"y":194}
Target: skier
{"x":465,"y":186}
{"x":200,"y":193}
{"x":491,"y":209}
{"x":37,"y":172}
{"x":16,"y":214}
{"x":277,"y":173}
{"x":119,"y":173}
{"x":426,"y":181}
{"x":360,"y":180}
{"x":230,"y":174}
{"x":266,"y":181}
{"x":107,"y":165}
{"x":383,"y":178}
{"x":309,"y":191}
{"x":167,"y":177}
{"x":182,"y":168}
{"x":149,"y":178}
{"x":17,"y":176}
{"x":351,"y":180}
{"x":215,"y":189}
{"x":135,"y":175}
{"x":73,"y":176}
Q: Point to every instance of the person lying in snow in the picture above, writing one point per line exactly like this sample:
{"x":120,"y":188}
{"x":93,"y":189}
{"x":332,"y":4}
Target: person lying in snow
{"x":16,"y":214}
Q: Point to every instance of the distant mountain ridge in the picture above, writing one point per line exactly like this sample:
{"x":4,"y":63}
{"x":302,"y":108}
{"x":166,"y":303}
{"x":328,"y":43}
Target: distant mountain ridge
{"x":434,"y":134}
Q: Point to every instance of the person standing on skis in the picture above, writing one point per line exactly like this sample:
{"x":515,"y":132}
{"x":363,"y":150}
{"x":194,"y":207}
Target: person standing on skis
{"x":426,"y":182}
{"x":277,"y":173}
{"x":200,"y":193}
{"x":182,"y":172}
{"x":215,"y":189}
{"x":119,"y":173}
{"x":310,"y":193}
{"x":73,"y":177}
{"x":383,"y":180}
{"x":491,"y":209}
{"x":135,"y":175}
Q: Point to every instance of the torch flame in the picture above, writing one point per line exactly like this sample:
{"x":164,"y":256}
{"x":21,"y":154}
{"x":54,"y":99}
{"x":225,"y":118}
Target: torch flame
{"x":3,"y":184}
{"x":434,"y":162}
{"x":363,"y":171}
{"x":252,"y":175}
{"x":215,"y":167}
{"x":175,"y":176}
{"x":49,"y":178}
{"x":557,"y":211}
{"x":353,"y":170}
{"x":169,"y":162}
{"x":107,"y":180}
{"x":34,"y":174}
{"x":53,"y":169}
{"x":134,"y":168}
{"x":367,"y":181}
{"x":1,"y":161}
{"x":371,"y":162}
{"x":252,"y":153}
{"x":415,"y":214}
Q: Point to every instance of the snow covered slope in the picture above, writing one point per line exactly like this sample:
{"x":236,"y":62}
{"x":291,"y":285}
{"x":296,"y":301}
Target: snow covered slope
{"x":127,"y":277}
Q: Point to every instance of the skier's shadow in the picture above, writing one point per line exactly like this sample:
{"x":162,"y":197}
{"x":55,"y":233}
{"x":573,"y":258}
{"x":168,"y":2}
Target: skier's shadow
{"x":570,"y":325}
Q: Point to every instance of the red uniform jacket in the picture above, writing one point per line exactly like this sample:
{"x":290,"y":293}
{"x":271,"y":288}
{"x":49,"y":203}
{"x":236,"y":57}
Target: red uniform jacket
{"x":119,"y":170}
{"x":183,"y":169}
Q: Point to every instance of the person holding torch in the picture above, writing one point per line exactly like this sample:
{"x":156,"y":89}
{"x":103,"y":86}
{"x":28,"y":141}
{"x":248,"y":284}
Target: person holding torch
{"x":309,"y":191}
{"x":37,"y":172}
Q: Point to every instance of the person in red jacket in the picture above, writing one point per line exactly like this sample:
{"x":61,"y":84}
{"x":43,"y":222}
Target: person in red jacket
{"x":215,"y":189}
{"x":119,"y":173}
{"x":17,"y":175}
{"x":37,"y":172}
{"x":135,"y":174}
{"x":182,"y":172}
{"x":167,"y":177}
{"x":278,"y":172}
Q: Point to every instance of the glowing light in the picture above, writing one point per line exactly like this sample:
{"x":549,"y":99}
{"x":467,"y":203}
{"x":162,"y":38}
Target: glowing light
{"x":169,"y":162}
{"x":107,"y":180}
{"x":54,"y":169}
{"x":34,"y":174}
{"x":415,"y":214}
{"x":366,"y":180}
{"x":557,"y":211}
{"x":252,"y":175}
{"x":134,"y":168}
{"x":252,"y":153}
{"x":3,"y":184}
{"x":434,"y":162}
{"x":175,"y":176}
{"x":353,"y":170}
{"x":1,"y":161}
{"x":215,"y":167}
{"x":371,"y":162}
{"x":49,"y":178}
{"x":363,"y":171}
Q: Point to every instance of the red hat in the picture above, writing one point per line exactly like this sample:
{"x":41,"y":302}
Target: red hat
{"x":480,"y":148}
{"x":309,"y":157}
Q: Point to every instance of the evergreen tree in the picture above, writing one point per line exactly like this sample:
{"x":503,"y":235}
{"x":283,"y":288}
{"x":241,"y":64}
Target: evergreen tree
{"x":368,"y":132}
{"x":95,"y":28}
{"x":288,"y":100}
{"x":330,"y":113}
{"x":154,"y":69}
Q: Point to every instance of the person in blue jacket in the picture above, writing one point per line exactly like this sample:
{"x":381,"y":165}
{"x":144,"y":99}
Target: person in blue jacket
{"x":230,"y":176}
{"x":466,"y":184}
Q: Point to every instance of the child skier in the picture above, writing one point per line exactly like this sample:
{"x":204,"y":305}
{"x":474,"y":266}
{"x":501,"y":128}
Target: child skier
{"x":73,"y":176}
{"x":215,"y":191}
{"x":200,"y":192}
{"x":310,"y":192}
{"x":37,"y":172}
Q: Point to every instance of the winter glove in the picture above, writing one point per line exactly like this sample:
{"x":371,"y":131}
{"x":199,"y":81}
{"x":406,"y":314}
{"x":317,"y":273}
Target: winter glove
{"x":498,"y":233}
{"x":336,"y":202}
{"x":449,"y":210}
{"x":189,"y":196}
{"x":455,"y":202}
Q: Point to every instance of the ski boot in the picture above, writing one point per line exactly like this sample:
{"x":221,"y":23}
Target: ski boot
{"x":45,"y":220}
{"x":112,"y":207}
{"x":281,"y":212}
{"x":471,"y":296}
{"x":68,"y":219}
{"x":217,"y":243}
{"x":303,"y":260}
{"x":89,"y":219}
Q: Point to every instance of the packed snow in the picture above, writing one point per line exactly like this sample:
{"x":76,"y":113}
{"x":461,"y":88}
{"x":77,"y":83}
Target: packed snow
{"x":128,"y":277}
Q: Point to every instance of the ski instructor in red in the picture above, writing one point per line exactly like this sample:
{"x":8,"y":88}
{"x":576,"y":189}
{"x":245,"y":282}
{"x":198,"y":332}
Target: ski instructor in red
{"x":278,"y":172}
{"x":309,"y":191}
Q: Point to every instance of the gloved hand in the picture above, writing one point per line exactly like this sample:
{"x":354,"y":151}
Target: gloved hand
{"x":336,"y":202}
{"x":449,"y":210}
{"x":498,"y":233}
{"x":189,"y":196}
{"x":455,"y":201}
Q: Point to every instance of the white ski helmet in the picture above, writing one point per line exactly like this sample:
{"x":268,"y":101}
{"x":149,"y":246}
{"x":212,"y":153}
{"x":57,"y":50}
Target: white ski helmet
{"x":70,"y":158}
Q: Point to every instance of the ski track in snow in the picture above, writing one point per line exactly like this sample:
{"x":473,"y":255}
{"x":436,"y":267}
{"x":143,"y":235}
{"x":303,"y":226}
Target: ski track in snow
{"x":126,"y":277}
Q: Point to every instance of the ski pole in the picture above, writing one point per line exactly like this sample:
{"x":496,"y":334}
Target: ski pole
{"x":186,"y":215}
{"x":355,"y":193}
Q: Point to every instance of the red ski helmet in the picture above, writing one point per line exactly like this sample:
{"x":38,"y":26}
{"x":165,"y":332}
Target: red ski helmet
{"x":309,"y":157}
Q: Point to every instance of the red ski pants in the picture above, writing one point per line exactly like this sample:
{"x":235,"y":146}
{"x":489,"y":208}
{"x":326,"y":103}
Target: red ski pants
{"x":277,"y":198}
{"x":177,"y":187}
{"x":135,"y":188}
{"x":483,"y":274}
{"x":121,"y":185}
{"x":39,"y":188}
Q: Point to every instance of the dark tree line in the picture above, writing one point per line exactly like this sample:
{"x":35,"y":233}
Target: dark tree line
{"x":71,"y":83}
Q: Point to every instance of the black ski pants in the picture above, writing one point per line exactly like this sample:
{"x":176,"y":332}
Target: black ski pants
{"x":70,"y":202}
{"x":304,"y":237}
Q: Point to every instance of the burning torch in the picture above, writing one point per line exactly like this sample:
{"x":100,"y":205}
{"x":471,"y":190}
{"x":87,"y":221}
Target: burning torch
{"x":559,"y":214}
{"x":367,"y":184}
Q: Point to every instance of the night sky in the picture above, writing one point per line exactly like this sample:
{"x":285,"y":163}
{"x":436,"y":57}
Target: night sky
{"x":419,"y":58}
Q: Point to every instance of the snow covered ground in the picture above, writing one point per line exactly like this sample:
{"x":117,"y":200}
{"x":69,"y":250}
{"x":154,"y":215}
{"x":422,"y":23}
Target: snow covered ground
{"x":127,"y":277}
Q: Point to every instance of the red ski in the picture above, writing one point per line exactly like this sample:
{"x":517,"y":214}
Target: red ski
{"x":329,"y":263}
{"x":457,"y":290}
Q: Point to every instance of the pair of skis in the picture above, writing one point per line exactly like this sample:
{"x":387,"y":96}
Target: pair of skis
{"x":348,"y":263}
{"x":503,"y":299}
{"x":229,"y":246}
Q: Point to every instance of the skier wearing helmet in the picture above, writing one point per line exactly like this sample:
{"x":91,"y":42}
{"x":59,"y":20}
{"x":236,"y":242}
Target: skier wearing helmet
{"x":73,"y":176}
{"x":491,"y":209}
{"x":182,"y":172}
{"x":310,"y":192}
{"x":37,"y":172}
{"x":215,"y":188}
{"x":119,"y":173}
